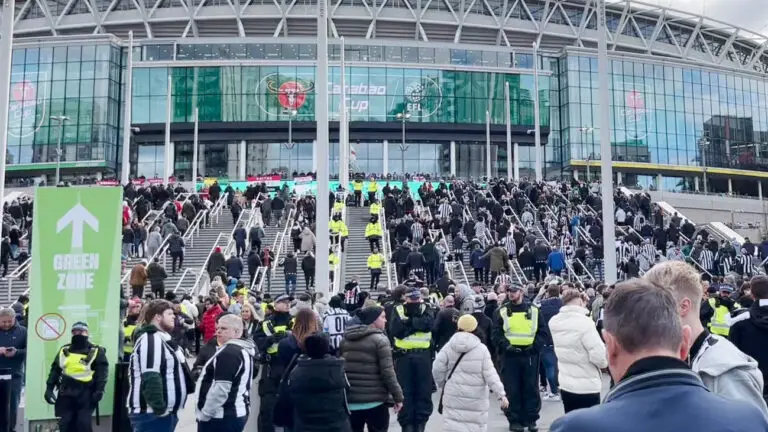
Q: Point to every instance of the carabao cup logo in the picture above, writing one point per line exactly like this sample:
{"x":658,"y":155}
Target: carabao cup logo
{"x":290,"y":94}
{"x":22,"y":109}
{"x":635,"y":119}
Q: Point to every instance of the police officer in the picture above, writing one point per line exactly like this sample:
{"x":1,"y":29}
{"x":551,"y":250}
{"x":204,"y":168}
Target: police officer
{"x":375,"y":208}
{"x":375,"y":262}
{"x":722,"y":306}
{"x":129,"y":326}
{"x":373,"y":233}
{"x":517,"y":332}
{"x":272,"y":331}
{"x":373,"y":187}
{"x":79,"y":372}
{"x":411,"y":330}
{"x":339,"y":231}
{"x":358,"y":187}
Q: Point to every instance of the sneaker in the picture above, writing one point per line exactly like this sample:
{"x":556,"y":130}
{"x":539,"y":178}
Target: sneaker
{"x":553,"y":397}
{"x":543,"y":390}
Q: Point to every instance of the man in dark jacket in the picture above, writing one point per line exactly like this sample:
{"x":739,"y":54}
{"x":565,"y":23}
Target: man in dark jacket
{"x":445,"y":323}
{"x":549,"y":308}
{"x":13,"y":352}
{"x":216,"y":262}
{"x":234,"y":266}
{"x":240,"y":236}
{"x":176,"y":249}
{"x":443,"y":283}
{"x":749,"y":332}
{"x":370,"y":370}
{"x":662,"y":382}
{"x":254,"y":262}
{"x":157,"y":276}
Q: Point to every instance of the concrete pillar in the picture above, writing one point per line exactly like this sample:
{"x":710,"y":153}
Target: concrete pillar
{"x":618,"y":178}
{"x":241,"y":174}
{"x":314,"y":155}
{"x":659,"y":182}
{"x":385,"y":153}
{"x":696,"y":183}
{"x":172,"y":158}
{"x":453,"y":158}
{"x":730,"y":186}
{"x":576,"y":174}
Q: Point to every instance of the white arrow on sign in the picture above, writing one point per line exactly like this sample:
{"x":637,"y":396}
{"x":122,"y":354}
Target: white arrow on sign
{"x":77,"y":216}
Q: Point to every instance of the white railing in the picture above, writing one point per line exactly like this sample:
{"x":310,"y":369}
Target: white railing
{"x":386,"y":247}
{"x":282,"y":241}
{"x":337,"y":276}
{"x":17,"y":273}
{"x":194,"y":228}
{"x":586,"y":270}
{"x":230,"y":247}
{"x":203,"y":269}
{"x":188,"y":273}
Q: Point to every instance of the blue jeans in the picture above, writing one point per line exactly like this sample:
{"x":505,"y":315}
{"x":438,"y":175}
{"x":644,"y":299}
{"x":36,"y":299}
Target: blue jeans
{"x":226,"y":424}
{"x":290,"y":284}
{"x":549,"y":361}
{"x":16,"y":384}
{"x":153,"y":423}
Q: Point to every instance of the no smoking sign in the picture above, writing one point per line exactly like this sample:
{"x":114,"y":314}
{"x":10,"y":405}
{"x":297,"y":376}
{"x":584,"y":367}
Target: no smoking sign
{"x":50,"y":327}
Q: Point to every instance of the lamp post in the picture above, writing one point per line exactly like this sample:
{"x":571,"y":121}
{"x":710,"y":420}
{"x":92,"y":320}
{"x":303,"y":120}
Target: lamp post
{"x":6,"y":54}
{"x":591,"y":156}
{"x":290,"y":144}
{"x":536,"y":113}
{"x":703,"y":144}
{"x":403,"y":117}
{"x":60,"y":119}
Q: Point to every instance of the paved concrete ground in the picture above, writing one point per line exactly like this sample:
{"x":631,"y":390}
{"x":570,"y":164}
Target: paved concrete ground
{"x":550,"y":411}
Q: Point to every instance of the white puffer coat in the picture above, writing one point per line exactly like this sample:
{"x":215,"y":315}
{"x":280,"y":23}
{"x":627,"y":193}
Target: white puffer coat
{"x":580,"y":351}
{"x":465,"y":402}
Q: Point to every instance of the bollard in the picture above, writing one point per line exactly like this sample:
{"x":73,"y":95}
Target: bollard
{"x":120,"y":421}
{"x":5,"y":401}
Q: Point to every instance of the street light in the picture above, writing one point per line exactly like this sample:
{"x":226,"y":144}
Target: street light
{"x":290,"y":144}
{"x":403,"y":117}
{"x":60,"y":119}
{"x":703,"y":144}
{"x":591,"y":157}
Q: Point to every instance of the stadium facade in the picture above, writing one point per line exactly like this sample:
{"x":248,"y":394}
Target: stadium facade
{"x":688,"y":92}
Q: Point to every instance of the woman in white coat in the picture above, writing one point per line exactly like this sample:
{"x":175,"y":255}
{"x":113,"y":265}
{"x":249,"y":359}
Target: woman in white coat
{"x":580,"y":353}
{"x":465,"y":392}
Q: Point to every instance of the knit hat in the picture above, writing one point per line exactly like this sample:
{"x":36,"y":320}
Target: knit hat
{"x":467,"y":323}
{"x":368,"y":315}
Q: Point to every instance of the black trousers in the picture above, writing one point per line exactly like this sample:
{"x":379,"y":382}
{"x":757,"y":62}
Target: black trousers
{"x":176,"y":256}
{"x":520,"y":374}
{"x":159,"y":291}
{"x":411,"y":369}
{"x":374,"y":241}
{"x":375,"y":275}
{"x":268,"y":391}
{"x":540,"y":270}
{"x":309,"y":278}
{"x":573,"y":401}
{"x":377,"y":419}
{"x":137,"y":291}
{"x":358,"y":198}
{"x":73,"y":415}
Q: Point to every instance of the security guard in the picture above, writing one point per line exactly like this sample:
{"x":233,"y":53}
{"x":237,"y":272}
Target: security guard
{"x":375,"y":208}
{"x":333,"y":261}
{"x":373,"y":187}
{"x":373,"y":233}
{"x":517,"y":332}
{"x":722,"y":305}
{"x":357,"y":185}
{"x":129,"y":326}
{"x":376,"y":261}
{"x":79,"y":372}
{"x":272,"y":331}
{"x":411,"y":330}
{"x":338,"y":205}
{"x":339,"y":231}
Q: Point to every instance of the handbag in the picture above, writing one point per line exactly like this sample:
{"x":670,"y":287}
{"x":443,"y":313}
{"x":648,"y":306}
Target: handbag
{"x":442,"y":392}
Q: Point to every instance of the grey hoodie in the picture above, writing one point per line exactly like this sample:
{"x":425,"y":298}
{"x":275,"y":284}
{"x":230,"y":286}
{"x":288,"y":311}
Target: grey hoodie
{"x":729,"y":373}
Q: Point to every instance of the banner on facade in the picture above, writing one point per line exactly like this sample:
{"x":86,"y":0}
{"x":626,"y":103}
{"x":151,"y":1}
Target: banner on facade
{"x":264,"y":178}
{"x":75,"y":276}
{"x":303,"y":180}
{"x":108,"y":183}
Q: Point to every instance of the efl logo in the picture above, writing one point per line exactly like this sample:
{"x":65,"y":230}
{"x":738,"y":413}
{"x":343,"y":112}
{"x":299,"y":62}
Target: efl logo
{"x":26,"y":97}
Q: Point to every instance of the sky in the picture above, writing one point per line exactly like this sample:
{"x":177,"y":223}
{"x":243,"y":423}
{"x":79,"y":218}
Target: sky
{"x":750,"y":14}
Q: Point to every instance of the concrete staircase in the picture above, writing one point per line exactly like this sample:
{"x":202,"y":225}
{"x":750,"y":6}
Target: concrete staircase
{"x":355,"y":258}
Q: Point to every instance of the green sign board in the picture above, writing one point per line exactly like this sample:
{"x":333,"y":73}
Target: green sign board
{"x":75,"y":277}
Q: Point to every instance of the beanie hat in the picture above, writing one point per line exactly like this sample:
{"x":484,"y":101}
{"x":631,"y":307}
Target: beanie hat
{"x":467,"y":323}
{"x":368,"y":315}
{"x":316,"y":346}
{"x":335,"y":302}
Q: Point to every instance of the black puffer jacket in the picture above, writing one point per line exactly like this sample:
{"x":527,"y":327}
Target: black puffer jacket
{"x":369,"y":367}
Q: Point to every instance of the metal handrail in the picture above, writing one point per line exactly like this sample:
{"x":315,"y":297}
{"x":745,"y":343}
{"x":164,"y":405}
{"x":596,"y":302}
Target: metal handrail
{"x":16,"y":274}
{"x":279,"y":244}
{"x":386,"y":247}
{"x":205,"y":263}
{"x":231,"y":241}
{"x":187,"y":271}
{"x":337,"y":268}
{"x":194,"y":227}
{"x":586,"y":270}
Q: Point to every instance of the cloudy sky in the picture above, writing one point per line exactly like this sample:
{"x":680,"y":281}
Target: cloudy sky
{"x":750,"y":14}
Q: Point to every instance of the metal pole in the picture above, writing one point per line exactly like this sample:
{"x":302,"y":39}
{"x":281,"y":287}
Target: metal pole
{"x":589,"y":159}
{"x":488,"y":144}
{"x":290,"y":138}
{"x":60,"y":131}
{"x":168,"y":108}
{"x":126,"y":167}
{"x":536,"y":113}
{"x":6,"y":52}
{"x":343,"y":151}
{"x":606,"y":168}
{"x":508,"y":120}
{"x":403,"y":148}
{"x":517,"y":162}
{"x":704,"y":164}
{"x":195,"y":151}
{"x":321,"y":116}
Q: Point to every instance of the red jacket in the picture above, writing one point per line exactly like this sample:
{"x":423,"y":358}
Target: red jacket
{"x":208,"y":324}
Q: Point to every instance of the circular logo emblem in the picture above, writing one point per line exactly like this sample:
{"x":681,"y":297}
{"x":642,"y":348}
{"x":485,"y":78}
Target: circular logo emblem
{"x":635,"y":119}
{"x":414,"y":92}
{"x":292,"y":95}
{"x":23,"y":92}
